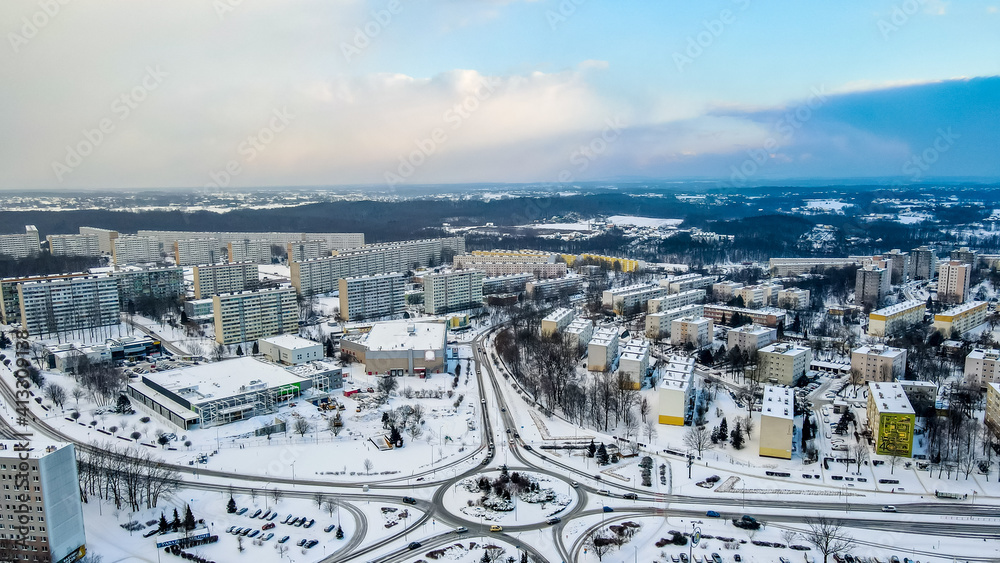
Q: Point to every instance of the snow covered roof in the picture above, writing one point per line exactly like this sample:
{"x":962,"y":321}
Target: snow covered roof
{"x":889,"y":398}
{"x":222,"y":379}
{"x":405,"y":336}
{"x":290,"y":341}
{"x":37,"y":448}
{"x":778,"y":402}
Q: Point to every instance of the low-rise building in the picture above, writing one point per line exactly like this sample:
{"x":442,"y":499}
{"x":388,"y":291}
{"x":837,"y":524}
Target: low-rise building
{"x":777,"y":422}
{"x":687,"y":282}
{"x":399,"y":348}
{"x":896,"y":318}
{"x":751,"y":337}
{"x":891,"y":419}
{"x":675,"y":391}
{"x":879,"y":362}
{"x":793,"y":298}
{"x":722,"y":314}
{"x":783,"y":267}
{"x":634,"y":361}
{"x":602,"y":351}
{"x":675,"y":300}
{"x":511,"y":283}
{"x":557,"y":320}
{"x":550,"y":288}
{"x":290,"y":349}
{"x":762,"y":295}
{"x":981,"y":367}
{"x":696,"y":331}
{"x":629,"y":298}
{"x":783,"y":363}
{"x":199,"y":310}
{"x":961,"y":318}
{"x":658,"y":325}
{"x":724,"y":291}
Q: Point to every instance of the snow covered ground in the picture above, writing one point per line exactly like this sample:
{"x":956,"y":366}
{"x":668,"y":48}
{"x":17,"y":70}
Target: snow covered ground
{"x":643,"y":221}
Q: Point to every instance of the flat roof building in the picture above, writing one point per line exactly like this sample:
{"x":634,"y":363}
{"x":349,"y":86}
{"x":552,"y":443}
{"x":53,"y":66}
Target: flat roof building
{"x":623,"y":300}
{"x":105,"y":238}
{"x":696,"y":331}
{"x":895,"y":318}
{"x":510,"y":283}
{"x":602,"y":351}
{"x":879,"y":363}
{"x":724,"y":291}
{"x":365,"y":297}
{"x":135,"y":250}
{"x":783,"y":267}
{"x":61,"y":305}
{"x":290,"y":349}
{"x":257,"y":251}
{"x":199,"y":310}
{"x":960,"y":319}
{"x":300,"y":251}
{"x":139,"y":284}
{"x":872,"y":285}
{"x":658,"y":325}
{"x":783,"y":363}
{"x":10,"y":306}
{"x":923,"y":263}
{"x":722,"y":314}
{"x":675,"y":300}
{"x":74,"y":245}
{"x":557,"y":321}
{"x":457,"y":290}
{"x":547,"y":289}
{"x":777,"y":422}
{"x":634,"y":361}
{"x":188,"y":252}
{"x":793,"y":298}
{"x":891,"y":419}
{"x":21,"y":245}
{"x":675,"y":391}
{"x":981,"y":367}
{"x":992,"y":415}
{"x":333,"y":240}
{"x":250,"y":315}
{"x":953,"y":281}
{"x":578,"y":333}
{"x":399,"y":348}
{"x":216,"y":279}
{"x":751,"y":337}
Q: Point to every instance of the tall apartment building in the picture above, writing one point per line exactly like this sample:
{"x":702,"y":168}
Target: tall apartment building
{"x":579,"y":333}
{"x":609,"y":262}
{"x":44,"y":521}
{"x":367,"y":297}
{"x":777,"y":422}
{"x":923,"y":263}
{"x":602,"y":351}
{"x":895,"y":318}
{"x":724,"y":291}
{"x":658,"y":325}
{"x":338,"y":241}
{"x":964,"y":255}
{"x":61,"y":305}
{"x":539,"y":270}
{"x":872,"y":285}
{"x":148,"y":283}
{"x":247,"y":250}
{"x":10,"y":306}
{"x":412,"y":254}
{"x":251,"y":315}
{"x":675,"y":394}
{"x":135,"y":250}
{"x":696,"y":331}
{"x":546,"y":289}
{"x":992,"y":416}
{"x":783,"y":363}
{"x":21,"y":245}
{"x":961,"y":318}
{"x":879,"y":363}
{"x":74,"y":245}
{"x":105,"y":238}
{"x":981,"y":367}
{"x":900,"y":266}
{"x":556,"y":321}
{"x":675,"y":300}
{"x":527,"y":256}
{"x":634,"y":362}
{"x":214,"y":279}
{"x":510,"y":283}
{"x":783,"y":267}
{"x":300,"y":251}
{"x":891,"y":419}
{"x":751,"y":337}
{"x":457,"y":290}
{"x":793,"y":298}
{"x":953,"y":281}
{"x":188,"y":252}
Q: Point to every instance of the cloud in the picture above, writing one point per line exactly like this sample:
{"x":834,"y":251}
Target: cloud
{"x":594,"y":64}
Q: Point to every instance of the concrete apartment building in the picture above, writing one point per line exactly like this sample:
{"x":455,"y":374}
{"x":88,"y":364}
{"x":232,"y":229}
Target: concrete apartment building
{"x":675,"y":391}
{"x":578,"y":333}
{"x":547,"y":289}
{"x":658,"y":325}
{"x":538,"y":270}
{"x":953,"y":281}
{"x":961,"y":318}
{"x":722,"y":314}
{"x":872,"y":286}
{"x":215,"y":279}
{"x":457,"y":290}
{"x":777,"y":422}
{"x":784,"y":267}
{"x":625,"y":298}
{"x":783,"y":364}
{"x":21,"y":245}
{"x":891,"y":419}
{"x":610,"y":262}
{"x":338,"y":241}
{"x":290,"y":349}
{"x":923,"y":263}
{"x":10,"y":306}
{"x":696,"y":331}
{"x":105,"y":238}
{"x":557,"y":321}
{"x":992,"y":416}
{"x":60,"y":305}
{"x":634,"y":361}
{"x":252,"y":315}
{"x":74,"y":245}
{"x":675,"y":300}
{"x":981,"y":367}
{"x":900,"y":266}
{"x":602,"y":351}
{"x":44,"y":522}
{"x":135,"y":250}
{"x":793,"y":298}
{"x":249,"y":250}
{"x":366,"y":297}
{"x":687,"y":282}
{"x":188,"y":252}
{"x":724,"y":291}
{"x":199,"y":310}
{"x":751,"y":337}
{"x":756,"y":296}
{"x":525,"y":256}
{"x":964,"y":255}
{"x":895,"y":318}
{"x":879,"y":363}
{"x":136,"y":284}
{"x":303,"y":250}
{"x":510,"y":283}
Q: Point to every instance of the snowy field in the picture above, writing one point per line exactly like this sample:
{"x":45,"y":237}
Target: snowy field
{"x":644,"y":221}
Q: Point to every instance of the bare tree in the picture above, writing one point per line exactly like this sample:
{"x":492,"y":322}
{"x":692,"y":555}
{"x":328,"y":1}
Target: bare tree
{"x":331,"y":506}
{"x":827,"y":535}
{"x":302,"y":426}
{"x":649,"y":429}
{"x":276,"y":495}
{"x":387,"y":384}
{"x":860,"y":453}
{"x":336,"y":425}
{"x":788,"y":536}
{"x":698,"y":438}
{"x":894,"y":460}
{"x":369,"y":466}
{"x":78,"y":393}
{"x":600,"y":543}
{"x":56,"y":394}
{"x":319,"y":499}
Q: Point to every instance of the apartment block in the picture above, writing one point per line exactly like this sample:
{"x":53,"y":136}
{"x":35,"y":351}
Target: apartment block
{"x":879,"y":363}
{"x":251,"y":315}
{"x":547,"y":289}
{"x":199,"y":310}
{"x":610,"y":262}
{"x":992,"y":416}
{"x":900,"y":265}
{"x":10,"y":306}
{"x":578,"y":333}
{"x":257,"y":251}
{"x":539,"y":270}
{"x":602,"y":351}
{"x":188,"y":252}
{"x":525,"y":256}
{"x":891,"y":419}
{"x":981,"y":367}
{"x":20,"y":245}
{"x":872,"y":285}
{"x":303,"y":250}
{"x":895,"y":318}
{"x":964,"y":255}
{"x":135,"y":284}
{"x":777,"y":422}
{"x":366,"y":297}
{"x":658,"y":325}
{"x":338,"y":241}
{"x":74,"y":245}
{"x":953,"y":281}
{"x":557,"y":321}
{"x":675,"y":391}
{"x":793,"y":298}
{"x":696,"y":331}
{"x":724,"y":291}
{"x":675,"y":300}
{"x":623,"y":300}
{"x":105,"y":238}
{"x":756,"y":296}
{"x":961,"y":318}
{"x":751,"y":337}
{"x":456,"y":290}
{"x":722,"y":314}
{"x":135,"y":250}
{"x":215,"y":279}
{"x":687,"y":282}
{"x":510,"y":283}
{"x":784,"y":267}
{"x":44,"y":521}
{"x":783,"y":364}
{"x":61,"y":305}
{"x":923,"y":263}
{"x":634,"y":362}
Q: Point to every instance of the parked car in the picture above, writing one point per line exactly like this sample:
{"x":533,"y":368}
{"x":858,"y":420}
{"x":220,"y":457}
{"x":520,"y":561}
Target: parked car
{"x":311,"y":544}
{"x":283,"y":539}
{"x":716,"y":558}
{"x":737,"y":558}
{"x":253,"y":534}
{"x":299,"y":522}
{"x":241,"y":511}
{"x":301,"y":542}
{"x":267,"y":537}
{"x":256,"y":514}
{"x":414,"y":545}
{"x":266,"y":514}
{"x":272,"y":517}
{"x":461,"y":530}
{"x":230,"y":529}
{"x":267,"y":526}
{"x":245,"y":531}
{"x":309,"y":524}
{"x":409,"y":500}
{"x":330,"y":528}
{"x":287,"y":518}
{"x":151,"y":533}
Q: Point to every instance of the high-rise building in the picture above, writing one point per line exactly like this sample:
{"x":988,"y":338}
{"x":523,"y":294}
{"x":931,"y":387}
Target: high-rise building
{"x":923,"y":263}
{"x":872,"y":286}
{"x":510,"y":283}
{"x":250,"y":315}
{"x":891,"y":419}
{"x":135,"y":250}
{"x":137,"y":284}
{"x":982,"y":367}
{"x":74,"y":245}
{"x":188,"y":252}
{"x":457,"y":290}
{"x":879,"y":363}
{"x":602,"y":351}
{"x":247,"y":250}
{"x":10,"y":307}
{"x":337,"y":241}
{"x":21,"y":245}
{"x":992,"y":415}
{"x":375,"y":296}
{"x":60,"y":305}
{"x":900,"y":265}
{"x":777,"y":421}
{"x":634,"y":362}
{"x":105,"y":238}
{"x":300,"y":251}
{"x":675,"y":393}
{"x":215,"y":279}
{"x":43,"y":515}
{"x":953,"y":281}
{"x":964,"y":255}
{"x":578,"y":333}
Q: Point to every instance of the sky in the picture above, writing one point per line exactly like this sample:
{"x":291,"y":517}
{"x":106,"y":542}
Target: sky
{"x":250,"y":93}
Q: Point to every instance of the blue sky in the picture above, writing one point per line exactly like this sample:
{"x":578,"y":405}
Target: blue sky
{"x":229,"y":93}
